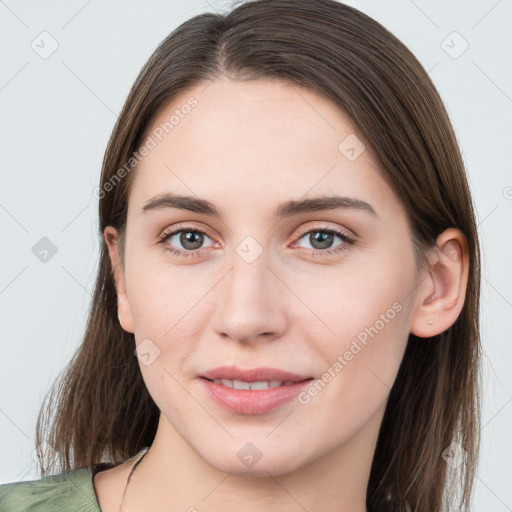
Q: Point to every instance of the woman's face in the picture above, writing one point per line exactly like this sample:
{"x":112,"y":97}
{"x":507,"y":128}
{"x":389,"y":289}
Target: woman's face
{"x":267,"y":282}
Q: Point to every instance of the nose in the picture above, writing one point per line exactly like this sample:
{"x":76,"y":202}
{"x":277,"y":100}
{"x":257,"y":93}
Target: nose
{"x":253,"y":302}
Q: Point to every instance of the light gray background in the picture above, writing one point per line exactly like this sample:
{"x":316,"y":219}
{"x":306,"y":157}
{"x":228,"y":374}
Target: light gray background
{"x":57,"y":114}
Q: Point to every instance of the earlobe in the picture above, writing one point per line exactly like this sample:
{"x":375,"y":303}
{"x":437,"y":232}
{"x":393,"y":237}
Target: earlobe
{"x":442,"y":291}
{"x":123,"y":306}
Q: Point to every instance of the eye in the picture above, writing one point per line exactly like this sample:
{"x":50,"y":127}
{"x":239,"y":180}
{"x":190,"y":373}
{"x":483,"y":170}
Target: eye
{"x":190,"y":239}
{"x":322,"y":238}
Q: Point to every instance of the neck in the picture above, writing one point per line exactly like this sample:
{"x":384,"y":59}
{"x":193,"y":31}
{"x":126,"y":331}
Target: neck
{"x":172,"y":476}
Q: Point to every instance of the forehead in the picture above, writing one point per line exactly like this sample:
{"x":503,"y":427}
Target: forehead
{"x":254,"y":140}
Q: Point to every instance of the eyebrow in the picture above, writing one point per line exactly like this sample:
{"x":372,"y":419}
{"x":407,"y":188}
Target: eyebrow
{"x":198,"y":205}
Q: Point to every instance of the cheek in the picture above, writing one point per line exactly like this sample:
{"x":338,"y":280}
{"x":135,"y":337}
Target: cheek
{"x":360,"y":364}
{"x":360,"y":368}
{"x":164,"y":301}
{"x":368,"y":310}
{"x":167,"y":319}
{"x":358,"y":303}
{"x":166,"y":327}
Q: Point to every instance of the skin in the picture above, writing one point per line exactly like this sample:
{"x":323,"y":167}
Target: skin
{"x":248,"y":147}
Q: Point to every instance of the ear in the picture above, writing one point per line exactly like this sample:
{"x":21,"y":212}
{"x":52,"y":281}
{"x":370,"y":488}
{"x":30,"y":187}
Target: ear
{"x":123,"y":306}
{"x":442,"y":290}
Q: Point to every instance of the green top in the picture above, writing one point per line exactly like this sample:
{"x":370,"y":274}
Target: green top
{"x":72,"y":491}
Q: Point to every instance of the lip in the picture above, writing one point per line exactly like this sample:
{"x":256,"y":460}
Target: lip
{"x":258,"y":401}
{"x":263,"y":373}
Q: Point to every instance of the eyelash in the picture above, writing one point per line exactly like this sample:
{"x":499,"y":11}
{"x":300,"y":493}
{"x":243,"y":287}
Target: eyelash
{"x":314,"y":252}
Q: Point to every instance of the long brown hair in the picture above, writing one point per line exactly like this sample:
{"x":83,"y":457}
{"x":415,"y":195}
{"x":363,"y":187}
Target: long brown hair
{"x":102,"y":409}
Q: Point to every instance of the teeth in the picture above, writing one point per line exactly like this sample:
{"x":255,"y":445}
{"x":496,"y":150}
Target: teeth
{"x":240,"y":384}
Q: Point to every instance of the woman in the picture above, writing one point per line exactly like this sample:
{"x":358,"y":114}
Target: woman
{"x":286,"y":310}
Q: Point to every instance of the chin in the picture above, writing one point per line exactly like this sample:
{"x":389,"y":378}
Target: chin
{"x":246,"y":459}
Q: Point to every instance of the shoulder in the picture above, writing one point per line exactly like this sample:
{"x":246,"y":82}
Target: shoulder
{"x":71,"y":491}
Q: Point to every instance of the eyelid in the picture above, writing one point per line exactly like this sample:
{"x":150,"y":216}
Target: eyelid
{"x":345,"y":235}
{"x":322,"y":227}
{"x":300,"y":232}
{"x":185,"y":227}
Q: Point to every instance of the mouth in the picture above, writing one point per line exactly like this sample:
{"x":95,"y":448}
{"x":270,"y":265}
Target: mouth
{"x":257,"y":385}
{"x":232,"y":376}
{"x":253,"y":391}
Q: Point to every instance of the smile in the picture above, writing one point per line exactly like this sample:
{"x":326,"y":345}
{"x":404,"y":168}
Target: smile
{"x":240,"y":384}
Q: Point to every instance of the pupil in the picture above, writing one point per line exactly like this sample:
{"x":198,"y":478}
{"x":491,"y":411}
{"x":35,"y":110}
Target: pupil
{"x":187,"y":238}
{"x":325,"y":239}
